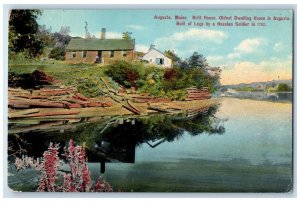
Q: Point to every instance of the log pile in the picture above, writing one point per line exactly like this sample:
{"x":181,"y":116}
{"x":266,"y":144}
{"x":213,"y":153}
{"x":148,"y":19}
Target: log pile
{"x":51,"y":98}
{"x":197,"y":94}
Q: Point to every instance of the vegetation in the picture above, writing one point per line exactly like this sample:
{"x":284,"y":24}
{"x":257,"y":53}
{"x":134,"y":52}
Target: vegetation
{"x":126,"y":35}
{"x":170,"y":82}
{"x":28,"y":41}
{"x":282,"y":87}
{"x":23,"y":30}
{"x":248,"y":89}
{"x":54,"y":178}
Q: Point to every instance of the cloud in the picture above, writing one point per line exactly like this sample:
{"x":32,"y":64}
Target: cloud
{"x":267,"y":70}
{"x":186,"y":42}
{"x":113,"y":35}
{"x":141,"y":48}
{"x":278,"y":46}
{"x":137,"y":27}
{"x":214,"y":59}
{"x":249,"y":45}
{"x":233,"y":55}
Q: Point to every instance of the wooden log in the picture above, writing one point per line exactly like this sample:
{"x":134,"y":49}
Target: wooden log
{"x":107,"y":104}
{"x":54,"y":93}
{"x":35,"y":103}
{"x":22,"y":112}
{"x":82,"y":97}
{"x":35,"y":127}
{"x":23,"y":121}
{"x":94,"y":104}
{"x":18,"y":90}
{"x":29,"y":96}
{"x":129,"y":106}
{"x":198,"y":97}
{"x":159,"y":109}
{"x":20,"y":106}
{"x":75,"y":105}
{"x":48,"y":114}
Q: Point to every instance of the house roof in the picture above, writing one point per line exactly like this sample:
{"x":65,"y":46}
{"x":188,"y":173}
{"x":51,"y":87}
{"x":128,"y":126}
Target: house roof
{"x":100,"y":44}
{"x":157,"y":51}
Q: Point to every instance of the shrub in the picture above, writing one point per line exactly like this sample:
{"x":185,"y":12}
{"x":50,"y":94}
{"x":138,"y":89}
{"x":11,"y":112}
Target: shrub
{"x":123,"y":73}
{"x":57,"y":53}
{"x":77,"y":179}
{"x":171,"y":74}
{"x":282,"y":87}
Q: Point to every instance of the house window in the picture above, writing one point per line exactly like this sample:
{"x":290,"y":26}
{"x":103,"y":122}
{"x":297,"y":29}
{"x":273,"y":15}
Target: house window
{"x":73,"y":54}
{"x":124,"y":53}
{"x":84,"y":54}
{"x":159,"y":61}
{"x":112,"y":54}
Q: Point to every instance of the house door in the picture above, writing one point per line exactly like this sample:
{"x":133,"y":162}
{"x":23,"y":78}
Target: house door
{"x":99,"y":57}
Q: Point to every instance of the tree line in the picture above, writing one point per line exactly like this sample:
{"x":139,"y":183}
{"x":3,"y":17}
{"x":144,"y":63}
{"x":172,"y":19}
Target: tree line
{"x":32,"y":40}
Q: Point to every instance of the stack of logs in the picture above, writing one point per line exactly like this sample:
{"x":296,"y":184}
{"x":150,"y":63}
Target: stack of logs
{"x":198,"y":94}
{"x":50,"y":98}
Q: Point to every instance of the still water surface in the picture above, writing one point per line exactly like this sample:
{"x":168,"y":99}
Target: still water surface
{"x":252,"y":154}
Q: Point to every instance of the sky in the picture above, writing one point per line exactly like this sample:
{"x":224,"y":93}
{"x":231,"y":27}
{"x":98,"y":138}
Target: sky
{"x":244,"y":53}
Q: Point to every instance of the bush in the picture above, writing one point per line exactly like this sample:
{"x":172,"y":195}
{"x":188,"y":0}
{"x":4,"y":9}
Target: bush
{"x":171,"y":74}
{"x":170,"y":82}
{"x":57,"y":53}
{"x":282,"y":87}
{"x":123,"y":73}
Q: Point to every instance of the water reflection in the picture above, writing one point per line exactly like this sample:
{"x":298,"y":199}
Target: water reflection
{"x":114,"y":139}
{"x":273,"y":97}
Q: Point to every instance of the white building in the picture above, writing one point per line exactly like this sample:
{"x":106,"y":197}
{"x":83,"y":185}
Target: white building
{"x":154,"y":56}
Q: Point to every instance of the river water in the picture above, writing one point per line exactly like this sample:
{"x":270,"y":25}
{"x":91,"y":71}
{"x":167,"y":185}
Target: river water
{"x":242,"y":146}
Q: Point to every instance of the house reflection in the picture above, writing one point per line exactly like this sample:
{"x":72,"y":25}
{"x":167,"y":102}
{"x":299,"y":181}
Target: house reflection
{"x":115,"y":139}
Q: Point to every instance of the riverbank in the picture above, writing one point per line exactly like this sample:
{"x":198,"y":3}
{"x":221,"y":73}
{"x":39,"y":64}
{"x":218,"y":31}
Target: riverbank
{"x":62,"y":108}
{"x":115,"y":109}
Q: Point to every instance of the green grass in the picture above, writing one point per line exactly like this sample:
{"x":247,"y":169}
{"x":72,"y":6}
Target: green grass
{"x":248,"y":89}
{"x":85,"y":77}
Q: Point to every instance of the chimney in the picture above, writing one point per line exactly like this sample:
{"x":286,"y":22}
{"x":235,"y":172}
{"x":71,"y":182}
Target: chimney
{"x":151,"y":47}
{"x":103,"y":32}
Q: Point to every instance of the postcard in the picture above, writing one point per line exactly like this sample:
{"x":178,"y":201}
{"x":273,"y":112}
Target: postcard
{"x":157,"y":100}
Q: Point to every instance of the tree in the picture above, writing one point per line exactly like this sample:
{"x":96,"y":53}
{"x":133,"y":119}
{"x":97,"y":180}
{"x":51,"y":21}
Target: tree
{"x":60,"y":41}
{"x":197,"y":61}
{"x":64,"y":30}
{"x":23,"y":30}
{"x":126,"y":35}
{"x":45,"y":35}
{"x":282,"y":87}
